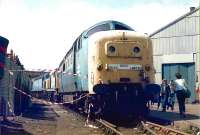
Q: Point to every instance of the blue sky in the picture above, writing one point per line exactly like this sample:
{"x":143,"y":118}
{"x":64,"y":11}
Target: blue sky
{"x":110,"y":3}
{"x":41,"y":31}
{"x":129,"y":3}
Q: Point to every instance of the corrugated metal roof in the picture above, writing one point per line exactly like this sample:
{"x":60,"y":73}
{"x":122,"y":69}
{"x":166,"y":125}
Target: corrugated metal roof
{"x":175,"y":21}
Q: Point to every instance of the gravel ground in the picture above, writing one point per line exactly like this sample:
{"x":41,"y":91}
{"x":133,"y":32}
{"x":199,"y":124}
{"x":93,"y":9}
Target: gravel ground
{"x":51,"y":119}
{"x":73,"y":123}
{"x":180,"y":123}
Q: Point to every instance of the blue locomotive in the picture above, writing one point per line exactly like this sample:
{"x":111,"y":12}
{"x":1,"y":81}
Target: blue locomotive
{"x":111,"y":63}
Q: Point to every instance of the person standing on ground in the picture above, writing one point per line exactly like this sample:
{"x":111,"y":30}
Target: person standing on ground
{"x":165,"y":92}
{"x":172,"y":94}
{"x":180,"y":93}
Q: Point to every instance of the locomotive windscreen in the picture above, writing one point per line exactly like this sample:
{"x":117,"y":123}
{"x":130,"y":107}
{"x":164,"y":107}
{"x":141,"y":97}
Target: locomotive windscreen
{"x":121,"y":27}
{"x":106,"y":26}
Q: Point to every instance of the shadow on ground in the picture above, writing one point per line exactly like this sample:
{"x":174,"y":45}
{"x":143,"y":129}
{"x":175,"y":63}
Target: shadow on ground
{"x":40,"y":111}
{"x":12,"y":128}
{"x":167,"y":118}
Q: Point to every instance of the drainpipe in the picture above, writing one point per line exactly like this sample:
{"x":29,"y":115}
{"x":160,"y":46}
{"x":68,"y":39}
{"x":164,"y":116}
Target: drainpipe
{"x":198,"y":60}
{"x":198,"y":52}
{"x":198,"y":57}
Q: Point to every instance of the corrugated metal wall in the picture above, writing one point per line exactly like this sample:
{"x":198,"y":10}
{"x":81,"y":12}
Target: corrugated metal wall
{"x":181,"y":37}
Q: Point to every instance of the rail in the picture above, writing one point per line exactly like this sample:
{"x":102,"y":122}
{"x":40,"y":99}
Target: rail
{"x":108,"y":127}
{"x":153,"y":129}
{"x":194,"y":128}
{"x":147,"y":129}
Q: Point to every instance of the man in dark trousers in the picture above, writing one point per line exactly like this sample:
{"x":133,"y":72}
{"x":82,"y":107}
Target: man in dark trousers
{"x":165,"y":93}
{"x":181,"y":86}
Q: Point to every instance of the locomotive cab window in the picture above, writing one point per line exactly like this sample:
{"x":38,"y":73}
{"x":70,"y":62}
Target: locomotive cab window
{"x":63,"y":67}
{"x":103,"y":27}
{"x":78,"y":43}
{"x":121,"y":27}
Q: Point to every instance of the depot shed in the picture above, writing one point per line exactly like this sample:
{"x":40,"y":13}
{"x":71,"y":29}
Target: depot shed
{"x":176,"y":49}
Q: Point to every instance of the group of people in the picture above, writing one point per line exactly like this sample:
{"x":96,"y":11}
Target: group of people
{"x":170,"y":91}
{"x":167,"y":95}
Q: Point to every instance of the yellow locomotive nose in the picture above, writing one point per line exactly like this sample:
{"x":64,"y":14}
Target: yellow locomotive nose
{"x":121,"y":61}
{"x":120,"y":57}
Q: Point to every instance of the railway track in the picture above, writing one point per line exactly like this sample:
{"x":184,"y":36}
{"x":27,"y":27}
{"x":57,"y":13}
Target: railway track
{"x":108,"y":128}
{"x":142,"y":128}
{"x":147,"y":128}
{"x":156,"y":129}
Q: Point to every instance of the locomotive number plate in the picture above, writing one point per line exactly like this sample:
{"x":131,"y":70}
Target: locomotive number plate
{"x":124,"y":66}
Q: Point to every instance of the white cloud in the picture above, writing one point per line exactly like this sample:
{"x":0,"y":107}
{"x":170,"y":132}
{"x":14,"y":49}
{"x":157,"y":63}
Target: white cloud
{"x":42,"y":36}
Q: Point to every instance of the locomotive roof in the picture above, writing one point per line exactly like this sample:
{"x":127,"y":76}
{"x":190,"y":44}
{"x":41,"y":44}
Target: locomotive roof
{"x":112,"y":26}
{"x":4,"y":40}
{"x":109,"y":22}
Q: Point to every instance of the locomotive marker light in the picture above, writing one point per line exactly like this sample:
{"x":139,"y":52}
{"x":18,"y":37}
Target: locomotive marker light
{"x":99,"y":67}
{"x":147,"y":68}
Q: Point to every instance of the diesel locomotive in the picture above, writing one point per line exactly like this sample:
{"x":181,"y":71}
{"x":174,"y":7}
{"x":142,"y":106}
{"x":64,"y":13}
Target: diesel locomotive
{"x":112,"y":64}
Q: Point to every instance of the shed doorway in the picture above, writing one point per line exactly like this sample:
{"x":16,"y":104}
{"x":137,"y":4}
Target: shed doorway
{"x":187,"y":70}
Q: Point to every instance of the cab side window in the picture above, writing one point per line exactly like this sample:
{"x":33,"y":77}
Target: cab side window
{"x":78,"y":44}
{"x":64,"y":67}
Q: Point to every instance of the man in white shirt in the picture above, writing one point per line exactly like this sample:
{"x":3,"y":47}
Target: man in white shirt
{"x":180,"y":88}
